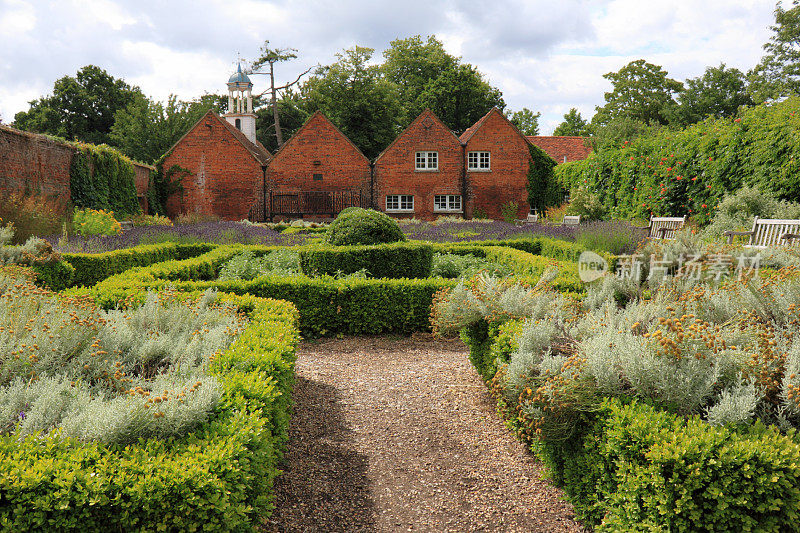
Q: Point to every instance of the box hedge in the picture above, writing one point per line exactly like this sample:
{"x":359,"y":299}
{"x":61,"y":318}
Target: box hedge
{"x":633,"y":467}
{"x":218,"y":478}
{"x":401,"y":260}
{"x":329,"y":306}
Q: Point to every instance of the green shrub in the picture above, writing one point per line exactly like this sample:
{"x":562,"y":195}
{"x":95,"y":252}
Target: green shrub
{"x":355,"y":225}
{"x":399,"y":260}
{"x":150,"y":220}
{"x":33,"y":215}
{"x":217,"y":478}
{"x":87,"y":222}
{"x":585,"y":204}
{"x":737,"y":211}
{"x":451,"y":266}
{"x":509,"y":211}
{"x":49,"y":267}
{"x":247,"y":265}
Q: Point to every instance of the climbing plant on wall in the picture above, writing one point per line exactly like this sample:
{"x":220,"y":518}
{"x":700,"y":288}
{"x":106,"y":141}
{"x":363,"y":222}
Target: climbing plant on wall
{"x":102,"y":178}
{"x":543,"y":189}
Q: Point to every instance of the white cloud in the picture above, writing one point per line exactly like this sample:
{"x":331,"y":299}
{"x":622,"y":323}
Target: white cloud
{"x":547,"y":56}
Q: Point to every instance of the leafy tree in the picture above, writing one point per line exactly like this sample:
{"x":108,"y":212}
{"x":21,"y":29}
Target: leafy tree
{"x":573,"y":125}
{"x":618,"y":130}
{"x":356,"y":97}
{"x":460,"y":96}
{"x":778,"y":72}
{"x":271,"y":56}
{"x":291,"y":115}
{"x":641,"y":91}
{"x":146,"y":129}
{"x":526,"y":121}
{"x":412,"y":63}
{"x":718,"y":93}
{"x":80,"y":108}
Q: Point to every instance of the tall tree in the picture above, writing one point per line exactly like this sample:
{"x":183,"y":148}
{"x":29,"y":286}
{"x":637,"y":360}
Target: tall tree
{"x":271,"y":56}
{"x":573,"y":125}
{"x":291,"y":111}
{"x":146,"y":129}
{"x":460,"y":96}
{"x":81,"y":107}
{"x":526,"y":121}
{"x":412,"y":63}
{"x":641,"y":91}
{"x":718,"y":92}
{"x":356,"y":97}
{"x":778,"y":72}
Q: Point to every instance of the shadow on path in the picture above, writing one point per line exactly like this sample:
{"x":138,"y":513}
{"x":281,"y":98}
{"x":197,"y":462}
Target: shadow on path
{"x":324,"y":485}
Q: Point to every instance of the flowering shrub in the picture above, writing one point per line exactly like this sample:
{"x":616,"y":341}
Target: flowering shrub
{"x":32,"y":215}
{"x":111,"y":376}
{"x":89,"y":222}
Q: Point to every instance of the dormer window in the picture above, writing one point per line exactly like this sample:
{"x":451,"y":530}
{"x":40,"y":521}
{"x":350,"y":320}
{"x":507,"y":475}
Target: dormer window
{"x":238,"y":124}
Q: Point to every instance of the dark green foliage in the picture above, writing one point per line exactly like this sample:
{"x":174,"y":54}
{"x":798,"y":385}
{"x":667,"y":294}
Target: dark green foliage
{"x":55,"y":275}
{"x":380,"y":261}
{"x":543,"y":189}
{"x":81,"y":108}
{"x":776,"y":75}
{"x":674,"y":173}
{"x":164,"y":184}
{"x":573,"y":125}
{"x":103,"y":178}
{"x":719,"y":92}
{"x":217,"y":478}
{"x":355,"y":225}
{"x":587,"y":205}
{"x":453,"y":265}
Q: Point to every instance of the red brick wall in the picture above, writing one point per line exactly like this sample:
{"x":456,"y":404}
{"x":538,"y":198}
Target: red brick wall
{"x":225,"y":178}
{"x":508,"y":175}
{"x":33,"y":164}
{"x":319,"y":148}
{"x":395,"y":171}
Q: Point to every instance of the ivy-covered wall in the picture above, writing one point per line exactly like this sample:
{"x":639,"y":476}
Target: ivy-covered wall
{"x":103,"y":178}
{"x":675,"y":173}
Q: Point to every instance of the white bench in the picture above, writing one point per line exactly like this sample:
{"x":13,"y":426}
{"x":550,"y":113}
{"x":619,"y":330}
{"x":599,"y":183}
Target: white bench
{"x":571,"y":220}
{"x":768,"y":232}
{"x":665,"y":227}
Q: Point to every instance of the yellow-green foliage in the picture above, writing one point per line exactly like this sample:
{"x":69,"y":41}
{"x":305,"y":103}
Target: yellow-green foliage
{"x":217,"y":478}
{"x":95,"y":222}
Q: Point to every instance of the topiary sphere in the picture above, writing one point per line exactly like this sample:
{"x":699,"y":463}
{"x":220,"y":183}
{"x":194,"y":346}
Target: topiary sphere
{"x":355,"y":225}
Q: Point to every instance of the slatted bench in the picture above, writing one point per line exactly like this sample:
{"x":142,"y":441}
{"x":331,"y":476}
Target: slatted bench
{"x":768,"y":232}
{"x":571,"y":220}
{"x":665,"y":227}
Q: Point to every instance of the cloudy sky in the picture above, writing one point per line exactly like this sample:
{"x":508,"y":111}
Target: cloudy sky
{"x":544,"y":55}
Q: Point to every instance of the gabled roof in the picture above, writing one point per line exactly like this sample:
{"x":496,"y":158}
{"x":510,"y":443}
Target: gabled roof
{"x":467,"y":135}
{"x":257,"y":150}
{"x":426,"y":113}
{"x":306,"y":123}
{"x":574,"y":148}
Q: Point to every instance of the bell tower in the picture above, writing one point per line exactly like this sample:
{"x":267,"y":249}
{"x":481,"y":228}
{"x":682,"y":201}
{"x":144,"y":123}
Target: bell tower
{"x":240,"y":104}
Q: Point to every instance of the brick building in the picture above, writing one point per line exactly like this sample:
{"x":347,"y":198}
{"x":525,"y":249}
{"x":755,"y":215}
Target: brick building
{"x":221,"y":170}
{"x":563,"y":149}
{"x":318,"y":159}
{"x":497,"y":160}
{"x":421,"y":173}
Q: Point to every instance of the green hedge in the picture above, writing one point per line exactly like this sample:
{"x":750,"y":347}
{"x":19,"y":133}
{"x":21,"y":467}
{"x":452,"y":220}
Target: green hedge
{"x":635,"y":468}
{"x":401,"y":260}
{"x":87,"y":269}
{"x":327,"y":306}
{"x":674,"y":173}
{"x":218,"y":478}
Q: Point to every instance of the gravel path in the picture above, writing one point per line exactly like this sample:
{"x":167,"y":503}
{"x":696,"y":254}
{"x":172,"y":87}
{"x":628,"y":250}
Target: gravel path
{"x":399,"y":434}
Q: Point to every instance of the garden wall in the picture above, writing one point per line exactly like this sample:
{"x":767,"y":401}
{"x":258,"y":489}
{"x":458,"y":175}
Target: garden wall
{"x":36,"y":164}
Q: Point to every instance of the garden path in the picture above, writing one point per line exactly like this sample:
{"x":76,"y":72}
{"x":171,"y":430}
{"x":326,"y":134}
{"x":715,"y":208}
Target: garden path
{"x":399,"y":434}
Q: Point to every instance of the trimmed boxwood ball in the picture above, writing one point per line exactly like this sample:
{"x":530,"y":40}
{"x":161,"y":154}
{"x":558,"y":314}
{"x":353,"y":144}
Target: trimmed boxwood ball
{"x":355,"y":225}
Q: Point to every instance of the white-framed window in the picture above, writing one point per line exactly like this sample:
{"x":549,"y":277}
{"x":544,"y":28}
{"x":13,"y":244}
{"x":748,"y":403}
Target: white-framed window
{"x":427,"y":161}
{"x":400,"y":202}
{"x":447,"y":202}
{"x":478,"y":161}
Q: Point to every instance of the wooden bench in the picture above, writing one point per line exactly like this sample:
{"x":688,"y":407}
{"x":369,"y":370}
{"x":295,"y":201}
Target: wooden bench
{"x":665,"y":227}
{"x":571,"y":220}
{"x":768,"y":232}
